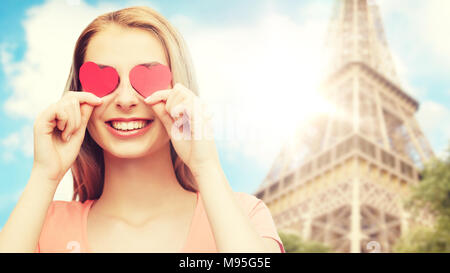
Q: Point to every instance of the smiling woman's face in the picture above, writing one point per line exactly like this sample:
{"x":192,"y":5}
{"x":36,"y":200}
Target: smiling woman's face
{"x":124,"y":48}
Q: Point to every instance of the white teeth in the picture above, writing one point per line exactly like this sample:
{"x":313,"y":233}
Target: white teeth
{"x":132,"y":125}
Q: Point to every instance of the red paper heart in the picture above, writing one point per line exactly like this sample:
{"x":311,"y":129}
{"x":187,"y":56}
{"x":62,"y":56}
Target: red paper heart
{"x":98,"y":81}
{"x":147,"y":80}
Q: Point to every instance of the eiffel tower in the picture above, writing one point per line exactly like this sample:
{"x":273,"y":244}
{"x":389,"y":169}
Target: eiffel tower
{"x":342,"y":179}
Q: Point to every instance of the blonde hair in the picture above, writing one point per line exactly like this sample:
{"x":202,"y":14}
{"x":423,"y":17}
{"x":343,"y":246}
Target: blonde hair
{"x":88,"y":169}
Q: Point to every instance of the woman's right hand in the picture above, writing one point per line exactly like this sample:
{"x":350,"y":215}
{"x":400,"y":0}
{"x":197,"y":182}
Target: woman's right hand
{"x":59,"y":132}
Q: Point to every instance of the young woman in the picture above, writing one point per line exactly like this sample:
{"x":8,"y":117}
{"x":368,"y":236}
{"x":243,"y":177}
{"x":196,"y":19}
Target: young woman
{"x":147,"y":176}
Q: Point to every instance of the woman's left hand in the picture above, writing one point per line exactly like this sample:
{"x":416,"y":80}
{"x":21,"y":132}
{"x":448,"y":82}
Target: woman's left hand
{"x":188,"y":124}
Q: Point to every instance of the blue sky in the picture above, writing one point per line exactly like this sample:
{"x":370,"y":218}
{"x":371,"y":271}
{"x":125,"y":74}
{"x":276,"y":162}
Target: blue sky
{"x":220,"y":34}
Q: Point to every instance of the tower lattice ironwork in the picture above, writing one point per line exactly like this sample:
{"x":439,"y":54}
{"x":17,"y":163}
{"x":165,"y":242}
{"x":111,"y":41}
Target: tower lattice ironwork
{"x":343,"y":178}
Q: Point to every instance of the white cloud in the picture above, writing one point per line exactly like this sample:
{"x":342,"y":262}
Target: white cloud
{"x":404,"y":74}
{"x":260,"y":79}
{"x":6,"y":58}
{"x":316,"y":11}
{"x":434,"y":29}
{"x":17,"y":142}
{"x":432,"y":118}
{"x":7,"y":157}
{"x":50,"y":35}
{"x":11,"y":141}
{"x":422,"y":37}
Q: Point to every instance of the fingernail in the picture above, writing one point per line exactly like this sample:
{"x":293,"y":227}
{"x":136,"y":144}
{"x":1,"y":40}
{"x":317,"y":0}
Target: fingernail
{"x":68,"y":137}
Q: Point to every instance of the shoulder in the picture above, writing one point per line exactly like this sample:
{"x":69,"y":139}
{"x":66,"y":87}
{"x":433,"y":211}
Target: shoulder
{"x":68,"y":206}
{"x":260,"y":217}
{"x":61,"y":213}
{"x":248,"y":202}
{"x":64,"y":222}
{"x":65,"y":210}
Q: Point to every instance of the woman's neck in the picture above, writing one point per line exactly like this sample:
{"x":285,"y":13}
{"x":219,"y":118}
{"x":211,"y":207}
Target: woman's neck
{"x":140,"y":187}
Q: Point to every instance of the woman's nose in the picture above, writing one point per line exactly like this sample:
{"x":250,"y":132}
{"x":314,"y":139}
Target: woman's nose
{"x":126,"y":97}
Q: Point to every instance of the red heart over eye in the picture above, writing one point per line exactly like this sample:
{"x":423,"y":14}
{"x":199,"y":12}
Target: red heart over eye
{"x":147,"y":80}
{"x":98,"y":81}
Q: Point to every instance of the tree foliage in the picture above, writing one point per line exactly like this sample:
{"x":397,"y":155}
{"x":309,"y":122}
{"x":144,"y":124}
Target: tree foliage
{"x":293,"y":243}
{"x":433,"y":194}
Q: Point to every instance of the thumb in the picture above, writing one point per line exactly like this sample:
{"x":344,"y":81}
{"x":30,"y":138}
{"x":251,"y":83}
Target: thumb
{"x":163,"y":115}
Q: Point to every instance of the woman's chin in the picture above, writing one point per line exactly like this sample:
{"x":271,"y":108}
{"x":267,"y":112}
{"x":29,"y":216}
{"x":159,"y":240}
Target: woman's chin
{"x":129,"y":151}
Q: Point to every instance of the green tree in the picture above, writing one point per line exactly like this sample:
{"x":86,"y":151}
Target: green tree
{"x":295,"y":244}
{"x":433,"y":194}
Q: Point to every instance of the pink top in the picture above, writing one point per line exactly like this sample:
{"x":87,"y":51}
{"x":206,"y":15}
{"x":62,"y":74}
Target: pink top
{"x":65,"y":227}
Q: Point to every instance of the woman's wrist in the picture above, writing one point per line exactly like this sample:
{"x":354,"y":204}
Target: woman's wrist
{"x":39,"y":177}
{"x":206,"y":168}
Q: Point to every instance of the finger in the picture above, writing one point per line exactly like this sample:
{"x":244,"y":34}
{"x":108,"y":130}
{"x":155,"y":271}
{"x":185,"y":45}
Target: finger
{"x":77,"y":115}
{"x":178,"y":111}
{"x":175,"y":99}
{"x":86,"y":111}
{"x":189,"y":98}
{"x":161,"y":95}
{"x":163,"y":116}
{"x":184,"y":108}
{"x":85,"y":97}
{"x":70,"y":125}
{"x":45,"y":122}
{"x":61,"y":118}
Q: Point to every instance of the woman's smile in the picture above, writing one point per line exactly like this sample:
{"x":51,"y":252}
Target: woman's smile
{"x":131,"y":127}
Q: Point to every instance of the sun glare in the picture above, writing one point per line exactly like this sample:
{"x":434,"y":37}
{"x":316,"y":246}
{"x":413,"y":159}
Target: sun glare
{"x":290,"y":76}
